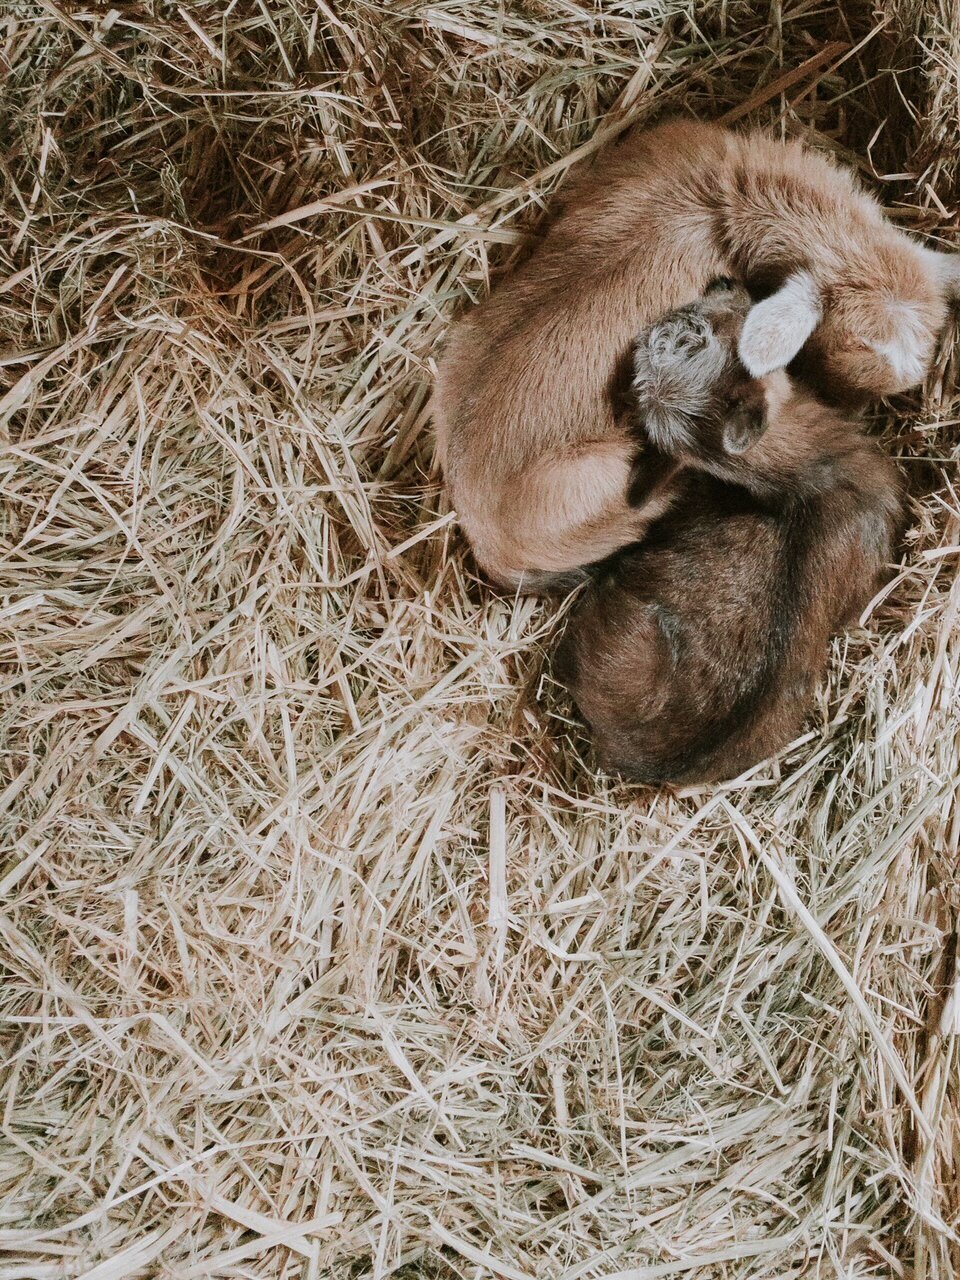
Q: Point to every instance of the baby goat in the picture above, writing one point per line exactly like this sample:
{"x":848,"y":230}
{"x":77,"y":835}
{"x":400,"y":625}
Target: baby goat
{"x":535,"y":446}
{"x":696,"y":653}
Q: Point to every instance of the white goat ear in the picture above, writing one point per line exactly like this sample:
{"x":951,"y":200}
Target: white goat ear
{"x":947,"y":269}
{"x":776,"y":328}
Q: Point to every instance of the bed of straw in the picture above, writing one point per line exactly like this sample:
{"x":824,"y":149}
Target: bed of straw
{"x":324,"y":950}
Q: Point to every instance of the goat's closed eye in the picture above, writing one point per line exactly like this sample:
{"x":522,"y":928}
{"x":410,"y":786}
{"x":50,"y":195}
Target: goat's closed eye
{"x":849,"y":342}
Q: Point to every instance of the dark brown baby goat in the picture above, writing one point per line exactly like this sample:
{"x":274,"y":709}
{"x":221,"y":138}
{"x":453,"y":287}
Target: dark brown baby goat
{"x":696,"y":653}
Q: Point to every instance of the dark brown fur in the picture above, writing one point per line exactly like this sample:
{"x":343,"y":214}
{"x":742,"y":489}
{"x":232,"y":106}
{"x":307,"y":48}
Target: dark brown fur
{"x":696,"y":653}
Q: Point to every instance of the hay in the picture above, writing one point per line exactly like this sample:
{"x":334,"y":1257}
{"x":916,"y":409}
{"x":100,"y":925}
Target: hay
{"x":324,"y":952}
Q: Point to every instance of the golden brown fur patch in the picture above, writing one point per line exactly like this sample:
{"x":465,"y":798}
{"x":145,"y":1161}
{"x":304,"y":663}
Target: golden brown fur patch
{"x":536,"y":451}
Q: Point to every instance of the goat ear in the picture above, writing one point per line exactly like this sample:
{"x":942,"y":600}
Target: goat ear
{"x":744,"y":425}
{"x":776,"y":328}
{"x":946,"y":267}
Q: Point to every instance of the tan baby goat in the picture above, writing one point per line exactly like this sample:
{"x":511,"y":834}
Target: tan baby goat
{"x":534,"y":439}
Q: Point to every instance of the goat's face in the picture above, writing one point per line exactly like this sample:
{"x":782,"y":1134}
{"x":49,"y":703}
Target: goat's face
{"x":695,"y":399}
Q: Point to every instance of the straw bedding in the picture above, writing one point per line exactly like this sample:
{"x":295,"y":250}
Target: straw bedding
{"x":324,"y":950}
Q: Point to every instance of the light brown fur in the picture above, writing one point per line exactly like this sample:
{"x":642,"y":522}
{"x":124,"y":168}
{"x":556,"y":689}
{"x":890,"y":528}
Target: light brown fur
{"x":536,"y":450}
